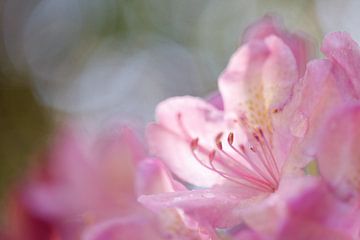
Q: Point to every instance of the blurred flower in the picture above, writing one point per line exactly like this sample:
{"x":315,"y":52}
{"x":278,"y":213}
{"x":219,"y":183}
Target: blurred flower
{"x":88,"y":189}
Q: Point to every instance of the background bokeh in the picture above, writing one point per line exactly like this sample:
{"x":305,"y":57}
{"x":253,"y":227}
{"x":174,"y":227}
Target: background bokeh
{"x":93,"y":61}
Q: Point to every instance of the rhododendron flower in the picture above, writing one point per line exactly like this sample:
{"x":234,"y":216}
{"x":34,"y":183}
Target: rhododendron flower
{"x":247,"y":152}
{"x":238,"y":153}
{"x":89,"y":189}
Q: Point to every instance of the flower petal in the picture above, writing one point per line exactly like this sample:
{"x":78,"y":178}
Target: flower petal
{"x":216,"y":100}
{"x":321,"y":215}
{"x":218,"y":207}
{"x":271,"y":25}
{"x":136,"y":228}
{"x":338,"y":151}
{"x":240,"y":81}
{"x":344,"y":52}
{"x":265,"y":217}
{"x":315,"y":95}
{"x":279,"y":74}
{"x":179,"y":121}
{"x":258,"y":79}
{"x":153,"y":177}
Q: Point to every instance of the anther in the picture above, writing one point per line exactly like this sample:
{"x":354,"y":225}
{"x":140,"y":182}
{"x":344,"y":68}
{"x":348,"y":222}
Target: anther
{"x":256,"y":137}
{"x":230,"y":138}
{"x":194,"y":143}
{"x":218,"y":141}
{"x":252,"y":148}
{"x":261,"y":132}
{"x":242,"y":147}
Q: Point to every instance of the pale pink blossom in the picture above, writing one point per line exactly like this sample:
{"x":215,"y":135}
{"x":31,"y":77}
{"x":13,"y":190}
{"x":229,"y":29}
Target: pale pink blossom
{"x":237,"y":154}
{"x":246,"y":152}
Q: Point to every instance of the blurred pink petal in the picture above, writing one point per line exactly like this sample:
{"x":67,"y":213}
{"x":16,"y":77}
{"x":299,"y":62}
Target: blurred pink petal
{"x":153,"y":177}
{"x":22,"y":223}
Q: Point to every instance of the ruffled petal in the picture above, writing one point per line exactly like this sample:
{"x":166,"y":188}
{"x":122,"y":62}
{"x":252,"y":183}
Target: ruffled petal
{"x":180,"y":120}
{"x":321,"y":215}
{"x":271,"y":25}
{"x":338,"y":151}
{"x":240,"y":83}
{"x":315,"y":95}
{"x":217,"y":207}
{"x":266,"y":216}
{"x":344,"y":52}
{"x":153,"y":178}
{"x":259,"y":80}
{"x":279,"y":74}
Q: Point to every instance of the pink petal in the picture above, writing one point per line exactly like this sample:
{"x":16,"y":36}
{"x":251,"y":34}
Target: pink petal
{"x":259,"y":78}
{"x":218,"y":207}
{"x":338,"y":151}
{"x":279,"y":74}
{"x":248,"y":235}
{"x":85,"y":180}
{"x":179,"y":121}
{"x":216,"y":100}
{"x":271,"y":25}
{"x":315,"y":95}
{"x":266,"y":216}
{"x":317,"y":213}
{"x":134,"y":227}
{"x":21,"y":223}
{"x":299,"y":230}
{"x":242,"y":77}
{"x":344,"y":52}
{"x":153,"y":178}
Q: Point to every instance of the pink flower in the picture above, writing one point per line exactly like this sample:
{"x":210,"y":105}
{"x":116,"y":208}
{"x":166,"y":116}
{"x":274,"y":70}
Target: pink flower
{"x":90,"y":190}
{"x":238,"y":154}
{"x":246,"y":152}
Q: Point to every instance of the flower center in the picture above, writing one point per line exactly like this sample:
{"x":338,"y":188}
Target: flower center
{"x":252,"y":164}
